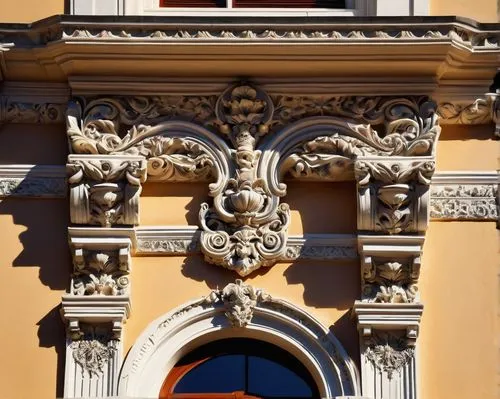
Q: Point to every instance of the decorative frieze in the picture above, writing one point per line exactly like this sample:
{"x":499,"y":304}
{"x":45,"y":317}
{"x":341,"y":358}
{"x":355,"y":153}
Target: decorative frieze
{"x":213,"y":33}
{"x":31,"y":112}
{"x":465,"y":196}
{"x":43,"y":181}
{"x":105,"y":190}
{"x":476,"y":112}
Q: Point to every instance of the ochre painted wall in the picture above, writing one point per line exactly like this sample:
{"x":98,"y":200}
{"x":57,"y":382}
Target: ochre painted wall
{"x":29,"y":10}
{"x":480,"y":10}
{"x":467,"y":148}
{"x":459,"y":332}
{"x":35,"y":266}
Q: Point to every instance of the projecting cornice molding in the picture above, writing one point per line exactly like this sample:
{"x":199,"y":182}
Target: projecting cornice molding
{"x":442,"y":49}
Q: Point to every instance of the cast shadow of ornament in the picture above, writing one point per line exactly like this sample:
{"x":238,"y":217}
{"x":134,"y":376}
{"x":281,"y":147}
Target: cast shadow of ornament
{"x":51,"y":334}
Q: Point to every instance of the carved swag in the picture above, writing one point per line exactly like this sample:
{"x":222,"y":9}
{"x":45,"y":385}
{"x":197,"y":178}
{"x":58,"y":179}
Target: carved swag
{"x":241,"y":143}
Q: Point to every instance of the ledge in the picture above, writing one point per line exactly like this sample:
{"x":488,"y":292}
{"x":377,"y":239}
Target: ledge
{"x":438,"y":48}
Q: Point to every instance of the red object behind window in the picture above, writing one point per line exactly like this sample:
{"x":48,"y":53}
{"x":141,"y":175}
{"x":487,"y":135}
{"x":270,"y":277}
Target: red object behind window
{"x":288,"y":3}
{"x":192,"y":3}
{"x":254,"y":3}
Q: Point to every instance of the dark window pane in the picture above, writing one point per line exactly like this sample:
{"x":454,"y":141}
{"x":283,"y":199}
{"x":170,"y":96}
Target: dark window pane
{"x":221,"y":374}
{"x":268,"y":378}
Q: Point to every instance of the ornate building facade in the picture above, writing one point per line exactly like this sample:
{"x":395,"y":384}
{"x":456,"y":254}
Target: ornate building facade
{"x":288,"y":186}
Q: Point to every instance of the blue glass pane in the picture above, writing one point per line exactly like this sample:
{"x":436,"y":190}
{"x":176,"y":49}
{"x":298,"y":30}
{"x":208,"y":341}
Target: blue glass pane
{"x":268,"y":378}
{"x":222,"y":374}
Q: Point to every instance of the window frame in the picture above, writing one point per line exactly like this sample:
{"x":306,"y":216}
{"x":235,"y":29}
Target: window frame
{"x":354,"y":8}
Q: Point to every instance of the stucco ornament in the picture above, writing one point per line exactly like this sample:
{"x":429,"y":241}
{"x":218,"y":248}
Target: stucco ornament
{"x":245,"y":229}
{"x":100,"y":272}
{"x":244,"y":142}
{"x":92,"y":355}
{"x":390,"y":282}
{"x":240,"y":300}
{"x":105,"y":191}
{"x":393,"y":195}
{"x":389,"y":352}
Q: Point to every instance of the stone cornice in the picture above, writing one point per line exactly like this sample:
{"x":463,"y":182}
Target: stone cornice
{"x":441,"y":48}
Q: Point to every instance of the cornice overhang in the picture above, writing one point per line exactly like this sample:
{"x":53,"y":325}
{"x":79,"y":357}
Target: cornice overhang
{"x":437,"y":49}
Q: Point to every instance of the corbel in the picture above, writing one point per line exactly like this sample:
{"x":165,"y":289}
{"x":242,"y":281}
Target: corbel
{"x":105,"y":190}
{"x":393,"y":193}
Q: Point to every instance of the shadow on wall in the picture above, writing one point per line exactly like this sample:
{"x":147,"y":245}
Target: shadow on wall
{"x":45,"y":242}
{"x":51,"y":334}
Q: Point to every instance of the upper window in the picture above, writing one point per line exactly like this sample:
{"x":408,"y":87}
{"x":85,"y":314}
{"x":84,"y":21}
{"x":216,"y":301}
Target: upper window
{"x":254,"y":3}
{"x":239,"y":368}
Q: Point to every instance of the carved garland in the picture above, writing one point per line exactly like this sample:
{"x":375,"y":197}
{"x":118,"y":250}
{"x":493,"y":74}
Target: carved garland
{"x":245,"y":227}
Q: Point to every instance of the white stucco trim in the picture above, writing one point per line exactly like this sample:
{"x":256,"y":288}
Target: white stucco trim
{"x":170,"y":337}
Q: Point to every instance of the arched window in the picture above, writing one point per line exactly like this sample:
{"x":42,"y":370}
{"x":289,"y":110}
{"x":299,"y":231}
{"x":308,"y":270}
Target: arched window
{"x":239,"y":368}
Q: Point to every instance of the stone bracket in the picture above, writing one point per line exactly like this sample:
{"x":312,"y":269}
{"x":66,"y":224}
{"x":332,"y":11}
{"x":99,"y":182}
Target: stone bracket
{"x":105,"y":190}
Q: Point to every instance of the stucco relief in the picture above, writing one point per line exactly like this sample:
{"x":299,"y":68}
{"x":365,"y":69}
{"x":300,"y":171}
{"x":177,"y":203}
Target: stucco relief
{"x":389,"y":352}
{"x":456,"y":34}
{"x":390,"y":281}
{"x":105,"y":191}
{"x":93,"y":351}
{"x":393,"y":195}
{"x":464,"y":202}
{"x":232,"y":142}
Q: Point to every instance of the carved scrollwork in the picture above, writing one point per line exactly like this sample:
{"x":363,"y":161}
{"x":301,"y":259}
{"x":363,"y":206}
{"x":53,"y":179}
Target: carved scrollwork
{"x":245,"y":229}
{"x":244,"y":248}
{"x":99,"y":271}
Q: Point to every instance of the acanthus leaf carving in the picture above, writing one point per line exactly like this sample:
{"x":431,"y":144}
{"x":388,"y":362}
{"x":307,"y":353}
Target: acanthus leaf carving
{"x":94,"y":350}
{"x":393,"y":194}
{"x":389,"y":352}
{"x":390,"y":281}
{"x":105,"y":190}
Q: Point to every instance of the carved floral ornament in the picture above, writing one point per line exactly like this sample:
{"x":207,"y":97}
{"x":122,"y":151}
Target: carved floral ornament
{"x":244,"y":143}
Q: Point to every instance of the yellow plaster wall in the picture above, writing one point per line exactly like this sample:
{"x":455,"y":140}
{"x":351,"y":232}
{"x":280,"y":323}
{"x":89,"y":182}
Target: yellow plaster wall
{"x":464,"y":147}
{"x":29,"y":10}
{"x":459,"y":287}
{"x":34,"y":273}
{"x":480,"y":10}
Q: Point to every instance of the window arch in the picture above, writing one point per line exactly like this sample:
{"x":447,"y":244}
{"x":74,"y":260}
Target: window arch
{"x":248,"y":367}
{"x":174,"y":335}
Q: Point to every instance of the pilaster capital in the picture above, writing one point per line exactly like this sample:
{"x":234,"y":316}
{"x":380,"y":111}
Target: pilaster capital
{"x":393,"y":193}
{"x":105,"y":190}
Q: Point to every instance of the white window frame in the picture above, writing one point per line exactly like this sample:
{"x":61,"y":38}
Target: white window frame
{"x":151,"y":7}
